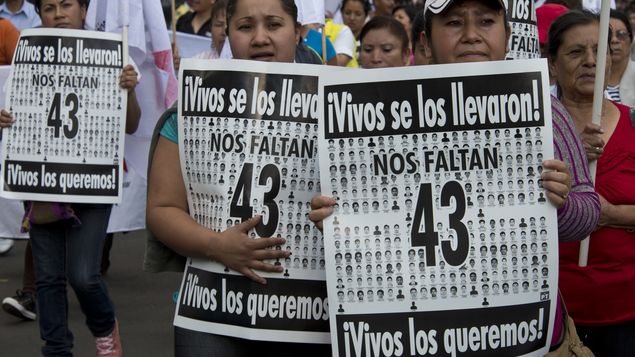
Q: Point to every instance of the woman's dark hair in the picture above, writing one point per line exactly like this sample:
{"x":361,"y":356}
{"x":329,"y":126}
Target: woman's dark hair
{"x":410,"y":10}
{"x":566,"y":22}
{"x":365,"y":5}
{"x":383,"y":22}
{"x":38,"y":3}
{"x":287,"y":5}
{"x":616,"y":14}
{"x":418,"y":26}
{"x":219,"y":6}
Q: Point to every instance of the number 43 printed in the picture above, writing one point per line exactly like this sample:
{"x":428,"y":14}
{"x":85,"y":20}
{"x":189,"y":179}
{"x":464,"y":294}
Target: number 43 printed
{"x":54,"y":118}
{"x":240,"y":203}
{"x":429,"y":238}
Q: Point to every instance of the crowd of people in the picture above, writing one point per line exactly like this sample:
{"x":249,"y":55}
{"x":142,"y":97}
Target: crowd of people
{"x":597,"y":301}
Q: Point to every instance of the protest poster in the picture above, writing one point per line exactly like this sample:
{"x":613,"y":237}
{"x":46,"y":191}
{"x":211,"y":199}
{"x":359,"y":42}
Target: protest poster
{"x":248,"y":145}
{"x":441,"y":242}
{"x":66,"y":144}
{"x":523,"y":40}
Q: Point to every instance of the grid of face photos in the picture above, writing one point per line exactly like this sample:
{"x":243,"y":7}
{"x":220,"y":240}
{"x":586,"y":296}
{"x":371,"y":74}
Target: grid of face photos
{"x":212,"y":177}
{"x":97,"y":109}
{"x":376,"y":262}
{"x":527,"y":38}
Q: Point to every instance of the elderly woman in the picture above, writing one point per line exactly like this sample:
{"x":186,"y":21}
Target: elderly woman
{"x":601,"y":296}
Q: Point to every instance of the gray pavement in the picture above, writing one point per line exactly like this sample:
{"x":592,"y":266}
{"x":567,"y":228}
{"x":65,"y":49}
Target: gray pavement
{"x":143,"y":303}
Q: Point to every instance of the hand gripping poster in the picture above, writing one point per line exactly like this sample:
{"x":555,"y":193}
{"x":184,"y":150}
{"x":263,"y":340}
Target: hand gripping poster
{"x":442,"y":242}
{"x":248,"y":146}
{"x":66,"y":144}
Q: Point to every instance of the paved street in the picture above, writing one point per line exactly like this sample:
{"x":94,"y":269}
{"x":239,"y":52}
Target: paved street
{"x":143,"y":302}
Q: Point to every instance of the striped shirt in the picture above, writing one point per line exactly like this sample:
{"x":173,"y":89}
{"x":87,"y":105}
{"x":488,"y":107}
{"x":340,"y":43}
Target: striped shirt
{"x":579,"y":216}
{"x":613,"y":93}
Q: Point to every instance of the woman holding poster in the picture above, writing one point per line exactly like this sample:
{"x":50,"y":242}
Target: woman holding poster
{"x":67,"y":239}
{"x":260,"y":30}
{"x":607,"y":328}
{"x":474,"y":31}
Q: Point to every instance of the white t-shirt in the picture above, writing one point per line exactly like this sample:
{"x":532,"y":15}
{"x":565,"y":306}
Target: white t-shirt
{"x":345,"y":42}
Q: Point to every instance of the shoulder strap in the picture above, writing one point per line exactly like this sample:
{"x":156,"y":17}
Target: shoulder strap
{"x":633,"y":116}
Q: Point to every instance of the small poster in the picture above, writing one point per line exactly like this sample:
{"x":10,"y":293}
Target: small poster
{"x":523,"y":40}
{"x":66,"y":144}
{"x":442,"y":242}
{"x":248,"y":146}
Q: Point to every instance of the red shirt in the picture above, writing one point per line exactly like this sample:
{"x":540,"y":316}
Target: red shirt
{"x":603,"y":293}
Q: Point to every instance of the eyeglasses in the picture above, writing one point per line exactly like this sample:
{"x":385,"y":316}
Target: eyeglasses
{"x":622,"y":35}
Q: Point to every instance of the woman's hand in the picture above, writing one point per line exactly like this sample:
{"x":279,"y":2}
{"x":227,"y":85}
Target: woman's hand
{"x":321,"y":207}
{"x":556,"y":179}
{"x":128,"y":78}
{"x":239,"y":252}
{"x":6,"y":119}
{"x":592,"y":140}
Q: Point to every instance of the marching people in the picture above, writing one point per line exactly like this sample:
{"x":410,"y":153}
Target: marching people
{"x":607,"y":328}
{"x":67,"y":239}
{"x":260,"y":30}
{"x":463,"y":31}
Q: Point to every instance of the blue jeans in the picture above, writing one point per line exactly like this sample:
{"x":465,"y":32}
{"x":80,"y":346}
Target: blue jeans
{"x":61,"y":251}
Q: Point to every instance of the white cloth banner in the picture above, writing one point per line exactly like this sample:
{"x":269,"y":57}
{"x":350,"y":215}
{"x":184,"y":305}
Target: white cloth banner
{"x":12,"y":210}
{"x":190,"y":45}
{"x":310,"y":11}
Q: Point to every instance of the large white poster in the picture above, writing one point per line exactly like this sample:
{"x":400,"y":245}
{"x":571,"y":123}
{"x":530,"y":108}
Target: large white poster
{"x":248,"y":146}
{"x":66,"y":144}
{"x":442,"y":242}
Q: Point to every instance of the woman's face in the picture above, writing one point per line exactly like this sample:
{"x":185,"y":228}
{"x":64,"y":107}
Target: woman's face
{"x":62,"y":14}
{"x":468,"y":32}
{"x":354,"y":16}
{"x":261,"y":30}
{"x":401,"y":16}
{"x":620,"y":41}
{"x":381,"y":49}
{"x":218,"y":30}
{"x":574,"y":65}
